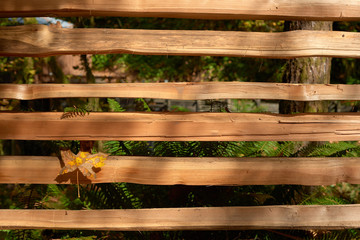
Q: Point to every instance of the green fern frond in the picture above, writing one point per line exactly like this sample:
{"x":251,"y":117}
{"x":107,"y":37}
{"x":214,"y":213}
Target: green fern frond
{"x":265,"y":149}
{"x":119,"y":148}
{"x":110,"y":196}
{"x":128,"y":195}
{"x":138,"y":148}
{"x":351,"y":234}
{"x":24,"y":234}
{"x":196,"y":149}
{"x":144,"y":104}
{"x":113,"y":148}
{"x":338,"y":149}
{"x":114,"y":106}
{"x":75,"y":111}
{"x":328,"y":200}
{"x":29,"y":196}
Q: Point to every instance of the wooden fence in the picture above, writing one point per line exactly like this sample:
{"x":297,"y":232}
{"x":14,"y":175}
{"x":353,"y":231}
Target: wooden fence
{"x":185,"y":91}
{"x":36,"y":40}
{"x":188,"y":171}
{"x":39,"y":40}
{"x":331,"y":10}
{"x":183,"y":126}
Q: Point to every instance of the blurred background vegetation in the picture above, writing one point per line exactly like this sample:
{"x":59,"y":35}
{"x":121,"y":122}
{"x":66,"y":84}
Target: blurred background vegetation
{"x":139,"y":68}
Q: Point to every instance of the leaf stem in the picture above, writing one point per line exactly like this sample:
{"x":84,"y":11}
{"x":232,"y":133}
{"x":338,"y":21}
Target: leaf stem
{"x":78,"y":185}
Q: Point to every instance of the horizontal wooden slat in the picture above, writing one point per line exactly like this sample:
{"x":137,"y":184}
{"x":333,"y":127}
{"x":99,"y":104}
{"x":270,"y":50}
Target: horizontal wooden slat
{"x":185,"y":91}
{"x":214,"y":218}
{"x":210,"y":9}
{"x":188,"y":171}
{"x":181,"y":126}
{"x":40,"y":40}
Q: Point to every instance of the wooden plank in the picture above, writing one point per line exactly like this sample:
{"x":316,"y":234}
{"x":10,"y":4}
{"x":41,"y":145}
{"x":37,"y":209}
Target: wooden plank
{"x":181,"y":126}
{"x":332,"y":10}
{"x":163,"y":219}
{"x":40,"y":40}
{"x":185,"y":91}
{"x":187,"y":171}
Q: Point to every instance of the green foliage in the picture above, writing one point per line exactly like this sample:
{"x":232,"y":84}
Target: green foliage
{"x":83,"y":238}
{"x":23,"y":234}
{"x":132,"y":148}
{"x":124,"y":195}
{"x":116,"y":148}
{"x":61,"y":197}
{"x":347,"y":192}
{"x":266,"y":149}
{"x":71,"y":112}
{"x":18,"y":70}
{"x":338,"y":149}
{"x":28,"y":196}
{"x":326,"y":200}
{"x":184,"y":68}
{"x":56,"y":70}
{"x":105,"y":62}
{"x":175,"y":108}
{"x":144,"y":104}
{"x":3,"y":234}
{"x":114,"y":106}
{"x":109,"y":196}
{"x":345,"y":70}
{"x":349,"y":234}
{"x":196,"y":149}
{"x":59,"y":144}
{"x":244,"y":105}
{"x":90,"y":78}
{"x":178,"y":68}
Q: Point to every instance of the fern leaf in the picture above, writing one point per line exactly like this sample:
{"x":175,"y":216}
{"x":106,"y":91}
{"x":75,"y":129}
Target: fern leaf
{"x":70,"y":112}
{"x":145,"y":105}
{"x":114,"y":106}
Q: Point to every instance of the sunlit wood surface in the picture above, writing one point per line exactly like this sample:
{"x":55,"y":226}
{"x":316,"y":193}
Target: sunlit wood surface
{"x":187,"y":171}
{"x":185,"y":91}
{"x":332,"y":10}
{"x":181,"y":126}
{"x":212,"y":218}
{"x":41,"y":40}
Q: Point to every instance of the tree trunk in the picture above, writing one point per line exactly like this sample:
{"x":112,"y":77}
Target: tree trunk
{"x":306,"y":70}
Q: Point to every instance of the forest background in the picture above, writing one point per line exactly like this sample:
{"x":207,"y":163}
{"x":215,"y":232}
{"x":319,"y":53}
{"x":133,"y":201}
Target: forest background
{"x":140,"y":68}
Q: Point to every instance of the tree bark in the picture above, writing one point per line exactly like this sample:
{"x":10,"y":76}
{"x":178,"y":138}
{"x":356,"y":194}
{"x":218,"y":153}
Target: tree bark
{"x":306,"y":70}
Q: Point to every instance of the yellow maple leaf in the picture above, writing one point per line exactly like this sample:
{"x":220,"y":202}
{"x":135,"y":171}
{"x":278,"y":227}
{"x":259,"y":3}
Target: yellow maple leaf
{"x":84,"y":161}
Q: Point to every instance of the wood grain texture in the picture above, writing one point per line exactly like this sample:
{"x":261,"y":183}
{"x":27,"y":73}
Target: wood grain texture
{"x":185,"y":91}
{"x":163,"y":219}
{"x":332,"y":10}
{"x":181,"y":126}
{"x":40,"y":40}
{"x":187,"y":171}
